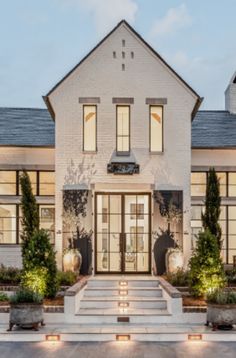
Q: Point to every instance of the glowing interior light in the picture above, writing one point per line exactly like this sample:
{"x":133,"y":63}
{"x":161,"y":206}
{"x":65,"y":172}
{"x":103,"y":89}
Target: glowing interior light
{"x":123,"y":283}
{"x":123,"y":292}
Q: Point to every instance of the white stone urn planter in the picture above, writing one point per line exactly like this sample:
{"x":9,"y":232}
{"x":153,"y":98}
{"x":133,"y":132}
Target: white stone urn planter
{"x":174,"y":260}
{"x":221,"y":315}
{"x":72,"y":260}
{"x":26,"y":315}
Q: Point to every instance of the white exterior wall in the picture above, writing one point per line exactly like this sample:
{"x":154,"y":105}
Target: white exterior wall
{"x":18,"y":158}
{"x":145,"y":76}
{"x":25,"y":156}
{"x":230,"y":96}
{"x":214,"y":158}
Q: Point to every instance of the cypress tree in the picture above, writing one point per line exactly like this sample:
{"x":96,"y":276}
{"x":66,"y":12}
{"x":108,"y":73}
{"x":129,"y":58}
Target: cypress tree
{"x":210,"y":219}
{"x":30,"y":217}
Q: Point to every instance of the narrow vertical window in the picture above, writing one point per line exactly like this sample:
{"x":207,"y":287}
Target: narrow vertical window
{"x":123,"y":129}
{"x":156,"y":128}
{"x":89,"y":125}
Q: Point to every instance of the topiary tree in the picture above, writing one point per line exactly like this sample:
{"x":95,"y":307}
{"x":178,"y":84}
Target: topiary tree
{"x":37,"y":251}
{"x":40,"y":254}
{"x":210,"y":219}
{"x":30,"y":216}
{"x":206,"y":267}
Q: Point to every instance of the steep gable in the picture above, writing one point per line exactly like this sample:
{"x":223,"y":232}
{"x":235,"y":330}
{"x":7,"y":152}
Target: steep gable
{"x":127,"y":27}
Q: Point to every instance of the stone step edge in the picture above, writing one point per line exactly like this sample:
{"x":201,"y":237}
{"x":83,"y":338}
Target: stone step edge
{"x":126,"y":299}
{"x":124,"y":314}
{"x":89,"y":336}
{"x":133,"y":288}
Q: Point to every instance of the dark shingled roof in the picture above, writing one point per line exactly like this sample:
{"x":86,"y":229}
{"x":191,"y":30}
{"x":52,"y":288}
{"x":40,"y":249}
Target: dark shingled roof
{"x":214,"y":129}
{"x":35,"y":127}
{"x":26,"y":127}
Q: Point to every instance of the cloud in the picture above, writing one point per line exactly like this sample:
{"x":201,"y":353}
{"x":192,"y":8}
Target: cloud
{"x":174,"y":20}
{"x":107,"y":13}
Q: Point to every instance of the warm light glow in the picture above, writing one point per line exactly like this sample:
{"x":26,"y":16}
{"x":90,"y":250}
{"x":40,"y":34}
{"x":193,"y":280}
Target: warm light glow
{"x":194,"y":337}
{"x":52,"y":337}
{"x":123,"y":293}
{"x":123,"y":337}
{"x":123,"y":304}
{"x":123,"y":283}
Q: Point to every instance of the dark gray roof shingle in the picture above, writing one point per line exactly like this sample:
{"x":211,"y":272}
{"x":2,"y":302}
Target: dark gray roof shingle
{"x":214,"y":129}
{"x":26,"y":127}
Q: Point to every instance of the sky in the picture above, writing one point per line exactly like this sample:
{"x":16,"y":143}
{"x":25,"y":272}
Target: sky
{"x":41,"y":40}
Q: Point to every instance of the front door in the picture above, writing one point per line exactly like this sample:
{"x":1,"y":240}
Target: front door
{"x":122,"y":233}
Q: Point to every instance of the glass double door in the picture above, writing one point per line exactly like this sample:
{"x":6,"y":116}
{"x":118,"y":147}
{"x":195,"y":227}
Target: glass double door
{"x":122,"y":233}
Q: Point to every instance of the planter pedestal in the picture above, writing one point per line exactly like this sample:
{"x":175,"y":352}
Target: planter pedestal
{"x":26,"y":316}
{"x":221,"y":316}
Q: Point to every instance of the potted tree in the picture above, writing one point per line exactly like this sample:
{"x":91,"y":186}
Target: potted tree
{"x":26,"y":310}
{"x":72,"y":259}
{"x":221,"y":309}
{"x":79,"y":250}
{"x":172,"y":216}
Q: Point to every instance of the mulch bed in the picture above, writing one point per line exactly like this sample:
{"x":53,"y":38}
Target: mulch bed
{"x":193,"y":301}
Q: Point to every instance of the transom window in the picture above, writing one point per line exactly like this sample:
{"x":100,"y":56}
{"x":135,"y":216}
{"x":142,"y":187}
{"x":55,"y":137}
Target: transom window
{"x":90,"y":128}
{"x":7,"y":183}
{"x":227,"y":183}
{"x":42,"y":182}
{"x":227,"y":223}
{"x":156,"y":128}
{"x":123,"y":129}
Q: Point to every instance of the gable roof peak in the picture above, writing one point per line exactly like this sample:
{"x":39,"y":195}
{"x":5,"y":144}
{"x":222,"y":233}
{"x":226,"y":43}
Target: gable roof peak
{"x":124,"y":22}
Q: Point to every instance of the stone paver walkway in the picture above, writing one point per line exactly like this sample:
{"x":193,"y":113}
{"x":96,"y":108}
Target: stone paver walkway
{"x":118,"y":350}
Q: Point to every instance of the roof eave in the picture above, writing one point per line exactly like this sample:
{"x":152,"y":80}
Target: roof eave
{"x":214,"y":147}
{"x":49,"y":106}
{"x":196,"y":107}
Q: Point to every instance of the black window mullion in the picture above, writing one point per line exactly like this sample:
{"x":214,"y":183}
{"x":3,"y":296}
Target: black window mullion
{"x":37,"y":183}
{"x":17,"y":224}
{"x":227,"y":233}
{"x":17,"y":182}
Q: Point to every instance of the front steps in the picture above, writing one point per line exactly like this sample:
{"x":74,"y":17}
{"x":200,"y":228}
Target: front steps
{"x":123,"y":300}
{"x":140,"y":307}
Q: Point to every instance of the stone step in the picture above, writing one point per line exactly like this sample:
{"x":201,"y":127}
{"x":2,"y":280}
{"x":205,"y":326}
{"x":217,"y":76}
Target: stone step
{"x":134,"y":291}
{"x":118,"y":283}
{"x":111,"y":316}
{"x":131,"y":302}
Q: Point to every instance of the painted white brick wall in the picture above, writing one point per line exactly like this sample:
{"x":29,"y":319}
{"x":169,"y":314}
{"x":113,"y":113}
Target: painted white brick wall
{"x":216,"y":157}
{"x":145,"y":76}
{"x":26,"y":156}
{"x":230,"y":96}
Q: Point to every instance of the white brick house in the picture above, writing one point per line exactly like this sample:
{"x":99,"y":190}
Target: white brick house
{"x":123,"y":121}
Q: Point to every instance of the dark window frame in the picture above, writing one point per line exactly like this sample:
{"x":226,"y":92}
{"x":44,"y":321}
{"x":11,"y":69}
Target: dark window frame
{"x":162,"y":129}
{"x":96,"y":115}
{"x":123,"y":153}
{"x":206,"y":172}
{"x":17,"y":184}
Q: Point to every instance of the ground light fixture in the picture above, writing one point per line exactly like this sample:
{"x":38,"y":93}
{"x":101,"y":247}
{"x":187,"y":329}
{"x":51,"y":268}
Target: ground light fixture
{"x":123,"y":292}
{"x":52,"y":337}
{"x":194,"y":337}
{"x":123,"y":304}
{"x":123,"y":283}
{"x":123,"y":337}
